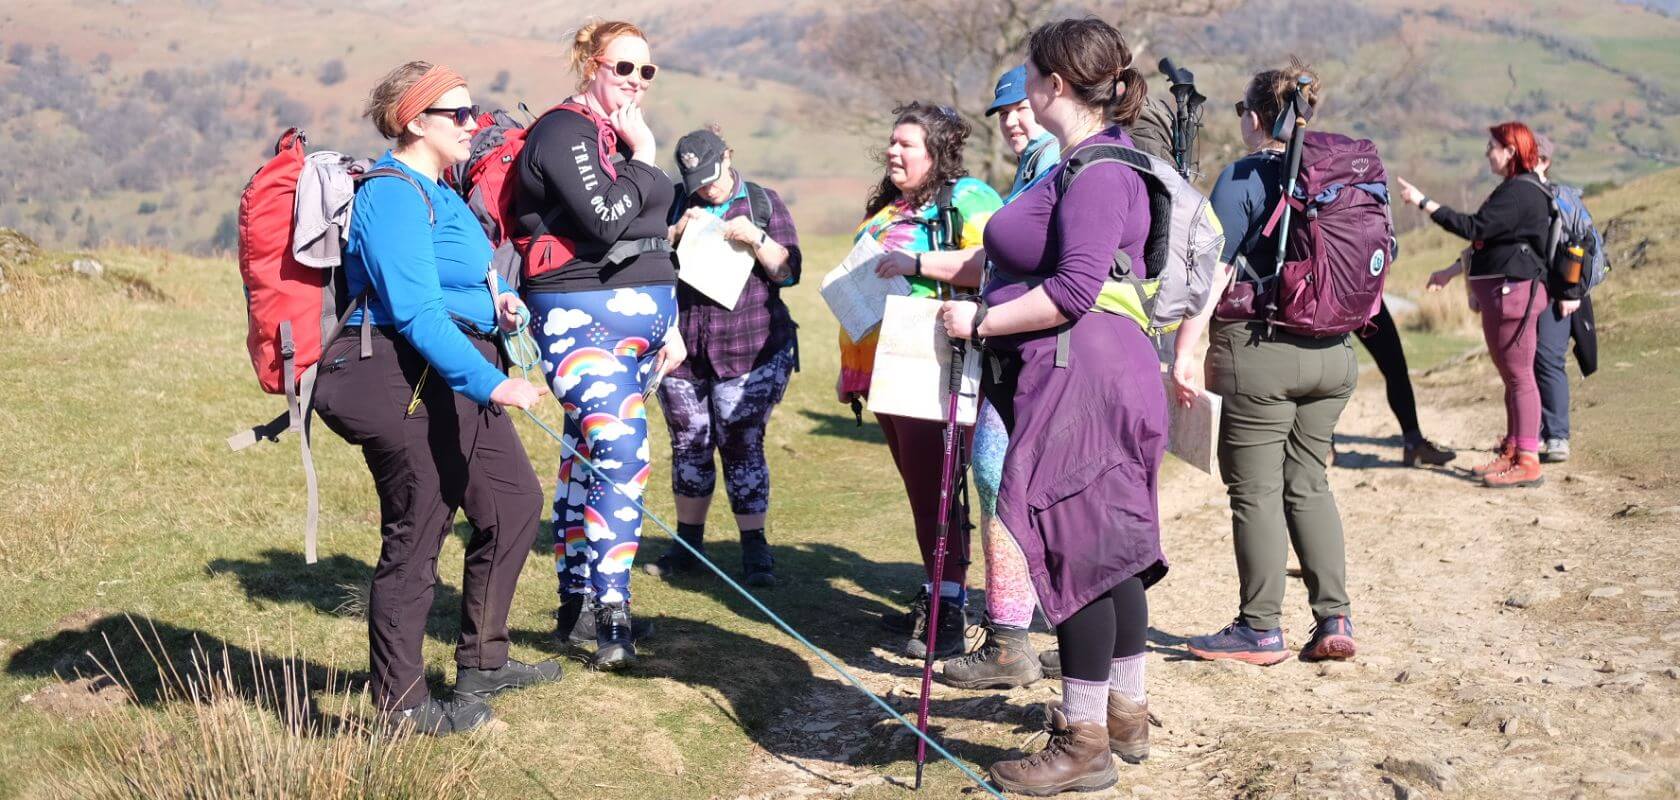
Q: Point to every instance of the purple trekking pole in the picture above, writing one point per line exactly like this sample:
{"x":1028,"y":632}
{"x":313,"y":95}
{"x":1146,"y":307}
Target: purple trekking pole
{"x":951,"y":466}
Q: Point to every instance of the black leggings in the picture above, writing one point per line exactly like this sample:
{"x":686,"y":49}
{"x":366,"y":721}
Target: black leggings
{"x":1384,"y":346}
{"x":1110,"y":627}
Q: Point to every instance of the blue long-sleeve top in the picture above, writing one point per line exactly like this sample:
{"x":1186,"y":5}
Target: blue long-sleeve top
{"x":426,"y":279}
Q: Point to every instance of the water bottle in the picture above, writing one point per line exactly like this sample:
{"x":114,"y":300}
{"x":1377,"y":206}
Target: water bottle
{"x":1572,"y":264}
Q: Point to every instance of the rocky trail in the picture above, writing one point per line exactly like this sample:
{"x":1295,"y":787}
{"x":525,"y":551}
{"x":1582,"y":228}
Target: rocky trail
{"x":1513,"y":644}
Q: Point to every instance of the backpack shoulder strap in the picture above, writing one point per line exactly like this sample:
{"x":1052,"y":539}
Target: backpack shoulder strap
{"x":393,"y":172}
{"x":1078,"y":160}
{"x":947,"y":218}
{"x":758,"y":205}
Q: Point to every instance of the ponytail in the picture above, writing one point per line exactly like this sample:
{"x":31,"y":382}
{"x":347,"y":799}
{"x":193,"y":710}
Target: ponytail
{"x":1131,"y":91}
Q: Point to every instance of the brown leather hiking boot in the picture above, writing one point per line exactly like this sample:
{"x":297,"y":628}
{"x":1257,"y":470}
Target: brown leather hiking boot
{"x":1500,"y":463}
{"x":1076,"y":760}
{"x":1525,"y":471}
{"x":1128,"y":728}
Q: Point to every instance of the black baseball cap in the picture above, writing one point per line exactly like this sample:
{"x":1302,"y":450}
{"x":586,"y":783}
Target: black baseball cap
{"x":700,"y":159}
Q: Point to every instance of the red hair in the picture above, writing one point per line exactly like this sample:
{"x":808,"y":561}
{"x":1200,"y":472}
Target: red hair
{"x":1520,"y":139}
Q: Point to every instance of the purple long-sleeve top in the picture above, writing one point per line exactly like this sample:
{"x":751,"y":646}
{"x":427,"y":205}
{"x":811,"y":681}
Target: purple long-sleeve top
{"x":1068,"y":247}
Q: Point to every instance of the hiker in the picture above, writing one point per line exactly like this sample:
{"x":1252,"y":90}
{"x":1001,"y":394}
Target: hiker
{"x":1570,"y":315}
{"x":1078,"y":492}
{"x":923,"y":181}
{"x":417,"y":382}
{"x":1510,"y":231}
{"x":601,"y":284}
{"x":1005,"y":658}
{"x":1282,"y":394}
{"x":1383,"y":343}
{"x":720,"y":398}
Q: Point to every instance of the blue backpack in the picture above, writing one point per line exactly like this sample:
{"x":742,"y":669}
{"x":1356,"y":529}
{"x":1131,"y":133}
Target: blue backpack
{"x":1572,"y":225}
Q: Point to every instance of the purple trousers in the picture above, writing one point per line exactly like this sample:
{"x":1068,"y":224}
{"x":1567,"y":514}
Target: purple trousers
{"x":1511,"y":312}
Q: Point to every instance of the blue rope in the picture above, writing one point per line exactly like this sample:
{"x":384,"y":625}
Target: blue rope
{"x":525,"y":354}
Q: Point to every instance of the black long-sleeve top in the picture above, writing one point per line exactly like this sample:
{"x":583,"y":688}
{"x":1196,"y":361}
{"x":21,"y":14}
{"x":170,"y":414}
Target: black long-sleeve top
{"x":561,"y":166}
{"x":1509,"y":230}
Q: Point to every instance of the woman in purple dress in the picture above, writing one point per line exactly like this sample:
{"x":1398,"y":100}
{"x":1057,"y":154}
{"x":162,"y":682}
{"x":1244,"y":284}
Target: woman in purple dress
{"x":1085,"y":439}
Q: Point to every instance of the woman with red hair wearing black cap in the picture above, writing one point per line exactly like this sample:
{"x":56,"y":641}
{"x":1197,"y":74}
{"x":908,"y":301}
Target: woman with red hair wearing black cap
{"x":1507,"y":285}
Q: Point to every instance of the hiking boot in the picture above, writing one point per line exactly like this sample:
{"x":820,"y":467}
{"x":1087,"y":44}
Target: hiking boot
{"x":1051,"y":662}
{"x":952,"y":639}
{"x":439,"y":717}
{"x":1004,"y":661}
{"x":574,"y":627}
{"x":677,"y":560}
{"x":1424,"y":451}
{"x":1524,"y":471}
{"x":1076,"y":760}
{"x":615,"y":646}
{"x":482,"y":684}
{"x":1242,"y":643}
{"x":1556,"y":451}
{"x":1331,"y":640}
{"x":1500,"y":463}
{"x":909,"y":622}
{"x":1128,"y":726}
{"x":757,"y":565}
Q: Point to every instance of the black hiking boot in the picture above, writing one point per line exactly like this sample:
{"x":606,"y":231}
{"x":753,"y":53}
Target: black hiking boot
{"x":1006,"y":660}
{"x":615,"y":647}
{"x":677,"y":560}
{"x":439,"y":717}
{"x":953,"y":628}
{"x":911,"y":621}
{"x":574,"y":628}
{"x":482,"y":684}
{"x":757,"y":565}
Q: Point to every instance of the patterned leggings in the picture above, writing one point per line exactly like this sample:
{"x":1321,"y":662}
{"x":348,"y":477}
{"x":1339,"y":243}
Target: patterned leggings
{"x":598,"y":349}
{"x":729,"y":417}
{"x":1009,"y":593}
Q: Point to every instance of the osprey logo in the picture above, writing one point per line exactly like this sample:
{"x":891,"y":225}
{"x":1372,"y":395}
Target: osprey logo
{"x":1378,"y":260}
{"x":689,"y":160}
{"x":1360,"y":165}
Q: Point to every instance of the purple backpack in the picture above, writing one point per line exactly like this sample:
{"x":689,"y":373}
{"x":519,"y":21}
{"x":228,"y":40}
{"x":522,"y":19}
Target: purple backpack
{"x":1341,"y":241}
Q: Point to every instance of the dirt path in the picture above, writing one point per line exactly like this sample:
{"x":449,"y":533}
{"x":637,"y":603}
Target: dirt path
{"x":1513,"y":644}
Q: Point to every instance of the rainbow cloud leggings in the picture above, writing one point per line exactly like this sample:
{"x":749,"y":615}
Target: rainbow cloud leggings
{"x":598,"y":349}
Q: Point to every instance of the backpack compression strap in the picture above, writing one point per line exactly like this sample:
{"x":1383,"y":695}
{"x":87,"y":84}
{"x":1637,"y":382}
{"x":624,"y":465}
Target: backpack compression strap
{"x":1122,"y":271}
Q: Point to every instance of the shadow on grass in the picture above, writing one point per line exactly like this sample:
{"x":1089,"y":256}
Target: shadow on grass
{"x":157,"y":659}
{"x":334,"y":585}
{"x":844,"y":426}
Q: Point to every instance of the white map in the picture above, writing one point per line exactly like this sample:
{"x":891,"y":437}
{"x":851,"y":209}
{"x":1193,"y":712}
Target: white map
{"x":711,"y":264}
{"x":913,"y":362}
{"x":855,"y":295}
{"x":1193,"y":433}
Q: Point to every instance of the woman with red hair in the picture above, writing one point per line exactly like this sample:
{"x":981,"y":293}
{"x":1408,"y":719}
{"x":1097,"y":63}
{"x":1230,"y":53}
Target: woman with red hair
{"x":1507,"y":271}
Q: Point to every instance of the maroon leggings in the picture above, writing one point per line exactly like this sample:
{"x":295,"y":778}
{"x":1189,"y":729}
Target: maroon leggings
{"x":918,"y":448}
{"x":1511,"y":312}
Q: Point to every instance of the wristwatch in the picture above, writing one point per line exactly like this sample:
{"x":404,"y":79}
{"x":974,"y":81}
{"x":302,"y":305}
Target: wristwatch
{"x":763,"y":236}
{"x":918,"y":265}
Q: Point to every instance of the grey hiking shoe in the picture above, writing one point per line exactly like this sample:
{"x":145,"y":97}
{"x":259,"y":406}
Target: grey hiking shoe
{"x":439,"y":717}
{"x":1005,"y":660}
{"x":482,"y":684}
{"x":1050,"y":661}
{"x":952,"y":639}
{"x":1555,"y":451}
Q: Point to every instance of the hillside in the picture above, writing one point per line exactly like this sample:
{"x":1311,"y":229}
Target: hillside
{"x":1513,"y":644}
{"x":139,"y":122}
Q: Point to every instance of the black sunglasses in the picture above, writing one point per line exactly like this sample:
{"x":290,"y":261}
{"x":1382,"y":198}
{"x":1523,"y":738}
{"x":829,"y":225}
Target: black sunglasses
{"x":1242,"y":108}
{"x":462,"y":115}
{"x":624,"y":68}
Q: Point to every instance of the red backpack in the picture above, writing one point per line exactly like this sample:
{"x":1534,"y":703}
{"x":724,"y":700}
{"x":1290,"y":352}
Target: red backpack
{"x":292,"y":309}
{"x":483,"y":181}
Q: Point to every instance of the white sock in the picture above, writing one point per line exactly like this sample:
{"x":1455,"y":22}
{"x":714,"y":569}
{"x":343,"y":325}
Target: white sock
{"x":1085,"y":701}
{"x":950,"y":590}
{"x":1125,"y":677}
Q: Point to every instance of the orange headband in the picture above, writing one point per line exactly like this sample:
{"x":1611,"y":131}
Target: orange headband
{"x":434,"y":84}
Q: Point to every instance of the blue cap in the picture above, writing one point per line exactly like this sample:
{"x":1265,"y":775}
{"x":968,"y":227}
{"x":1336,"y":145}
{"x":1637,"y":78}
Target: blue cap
{"x":1011,"y":89}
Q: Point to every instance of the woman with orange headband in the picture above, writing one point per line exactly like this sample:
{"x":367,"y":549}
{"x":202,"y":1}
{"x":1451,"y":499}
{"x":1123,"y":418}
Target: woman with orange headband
{"x":417,"y":382}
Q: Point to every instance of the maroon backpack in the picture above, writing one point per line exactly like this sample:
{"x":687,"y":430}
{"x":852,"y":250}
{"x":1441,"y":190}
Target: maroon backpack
{"x":1340,"y":244}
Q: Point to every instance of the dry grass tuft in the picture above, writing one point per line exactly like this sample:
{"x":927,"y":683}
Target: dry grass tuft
{"x":256,"y":731}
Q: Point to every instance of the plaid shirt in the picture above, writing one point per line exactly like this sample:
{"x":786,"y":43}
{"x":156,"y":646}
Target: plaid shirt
{"x":724,"y":344}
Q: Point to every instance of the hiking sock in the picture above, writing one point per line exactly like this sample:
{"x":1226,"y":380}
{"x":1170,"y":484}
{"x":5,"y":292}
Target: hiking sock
{"x":1085,"y":701}
{"x":1125,"y":677}
{"x":951,"y":590}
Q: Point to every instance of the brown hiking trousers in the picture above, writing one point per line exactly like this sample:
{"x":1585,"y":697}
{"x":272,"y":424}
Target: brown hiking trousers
{"x":431,"y":452}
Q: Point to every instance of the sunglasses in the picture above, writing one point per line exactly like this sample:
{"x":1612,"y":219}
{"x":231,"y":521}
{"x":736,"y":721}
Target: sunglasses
{"x":1242,"y":108}
{"x":624,"y":68}
{"x":462,"y":115}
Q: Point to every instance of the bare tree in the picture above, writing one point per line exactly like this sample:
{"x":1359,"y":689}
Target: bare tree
{"x":951,"y":52}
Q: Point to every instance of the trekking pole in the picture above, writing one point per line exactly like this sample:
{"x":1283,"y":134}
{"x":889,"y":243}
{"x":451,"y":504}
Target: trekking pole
{"x":947,"y":480}
{"x":1296,"y":118}
{"x":1186,"y":115}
